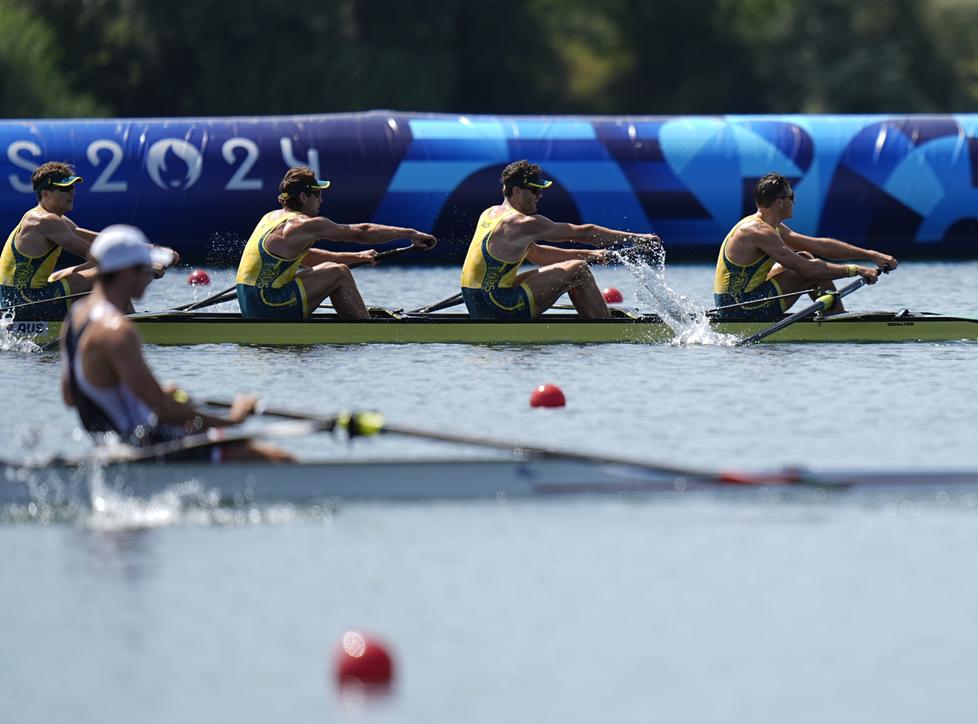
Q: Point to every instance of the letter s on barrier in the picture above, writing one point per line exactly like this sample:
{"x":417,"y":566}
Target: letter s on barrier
{"x":102,"y":183}
{"x":13,"y":155}
{"x":238,"y":181}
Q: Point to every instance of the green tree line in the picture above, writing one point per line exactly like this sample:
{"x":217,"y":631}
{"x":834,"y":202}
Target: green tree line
{"x":77,"y":58}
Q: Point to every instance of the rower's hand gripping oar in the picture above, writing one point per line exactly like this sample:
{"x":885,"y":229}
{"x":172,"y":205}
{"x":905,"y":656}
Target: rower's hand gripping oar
{"x":354,"y":423}
{"x":373,"y":423}
{"x":226,"y":295}
{"x":826,"y":301}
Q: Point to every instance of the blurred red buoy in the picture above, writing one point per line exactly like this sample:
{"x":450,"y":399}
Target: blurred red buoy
{"x":198,"y":277}
{"x":362,"y":660}
{"x":547,"y":396}
{"x":612,"y":296}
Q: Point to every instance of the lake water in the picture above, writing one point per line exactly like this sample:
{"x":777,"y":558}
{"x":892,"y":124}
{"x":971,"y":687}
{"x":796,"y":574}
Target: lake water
{"x":695,"y":609}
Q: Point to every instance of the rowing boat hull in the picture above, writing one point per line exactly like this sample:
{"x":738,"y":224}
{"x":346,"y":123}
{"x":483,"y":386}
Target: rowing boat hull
{"x":269,"y":482}
{"x":495,"y":479}
{"x":229,"y":328}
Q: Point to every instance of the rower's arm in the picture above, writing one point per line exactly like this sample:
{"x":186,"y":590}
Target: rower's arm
{"x":59,"y":231}
{"x":131,"y":368}
{"x":828,"y":248}
{"x":319,"y":256}
{"x":542,"y":254}
{"x":770,"y":242}
{"x":540,"y":227}
{"x":368,"y":234}
{"x":68,"y":271}
{"x":84,"y":234}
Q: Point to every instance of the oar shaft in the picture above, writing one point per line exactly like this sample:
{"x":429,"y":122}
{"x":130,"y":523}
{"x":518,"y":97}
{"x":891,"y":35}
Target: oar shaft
{"x":456,"y":299}
{"x":217,"y":298}
{"x":451,"y":301}
{"x":758,"y":301}
{"x":226,"y":295}
{"x":44,"y":301}
{"x":507,"y":445}
{"x":823,"y":302}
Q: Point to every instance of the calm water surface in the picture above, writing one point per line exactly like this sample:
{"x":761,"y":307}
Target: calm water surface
{"x":711,"y":608}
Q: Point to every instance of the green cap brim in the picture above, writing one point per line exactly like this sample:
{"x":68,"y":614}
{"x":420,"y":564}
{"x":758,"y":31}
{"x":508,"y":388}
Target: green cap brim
{"x":320,"y":184}
{"x":67,"y":182}
{"x":539,"y":184}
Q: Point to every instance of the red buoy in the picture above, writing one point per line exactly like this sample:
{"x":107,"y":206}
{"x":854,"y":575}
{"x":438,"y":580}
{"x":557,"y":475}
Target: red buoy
{"x":612,"y":296}
{"x":547,"y":396}
{"x":361,"y":660}
{"x":198,"y":277}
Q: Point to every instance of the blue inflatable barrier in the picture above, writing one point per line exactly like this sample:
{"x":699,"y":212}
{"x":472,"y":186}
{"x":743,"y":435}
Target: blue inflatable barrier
{"x":907,"y":185}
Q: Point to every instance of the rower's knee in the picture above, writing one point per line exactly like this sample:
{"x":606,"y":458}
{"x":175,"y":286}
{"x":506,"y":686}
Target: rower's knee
{"x":343,"y":276}
{"x":579,"y":270}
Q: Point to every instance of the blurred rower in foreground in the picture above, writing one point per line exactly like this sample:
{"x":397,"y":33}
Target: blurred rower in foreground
{"x":762,"y":259}
{"x":105,"y":376}
{"x":269,"y":283}
{"x":507,"y":235}
{"x":31,"y":253}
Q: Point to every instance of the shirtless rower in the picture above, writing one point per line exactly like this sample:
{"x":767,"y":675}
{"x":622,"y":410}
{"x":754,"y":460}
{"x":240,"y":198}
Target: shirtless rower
{"x":507,"y":235}
{"x":269,"y":283}
{"x":105,"y":376}
{"x":27,"y":264}
{"x":761,"y":259}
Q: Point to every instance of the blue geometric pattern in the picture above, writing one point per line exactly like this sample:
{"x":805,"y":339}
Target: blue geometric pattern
{"x":903,"y":184}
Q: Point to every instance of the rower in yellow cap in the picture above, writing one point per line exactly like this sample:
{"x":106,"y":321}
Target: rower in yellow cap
{"x":764,"y":267}
{"x":507,"y":234}
{"x":29,"y":283}
{"x":270,"y":285}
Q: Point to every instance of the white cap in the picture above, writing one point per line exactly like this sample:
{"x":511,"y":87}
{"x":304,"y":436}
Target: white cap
{"x":122,"y":247}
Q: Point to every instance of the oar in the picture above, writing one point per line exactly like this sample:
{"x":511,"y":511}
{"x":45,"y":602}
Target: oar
{"x":44,"y":301}
{"x":222,"y":296}
{"x":366,"y":423}
{"x":823,"y":302}
{"x":452,"y":301}
{"x":199,"y":441}
{"x":230,"y":293}
{"x":456,"y":299}
{"x":758,"y":301}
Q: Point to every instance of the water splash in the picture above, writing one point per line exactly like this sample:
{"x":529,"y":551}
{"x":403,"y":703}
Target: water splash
{"x":11,"y":341}
{"x":689,"y":323}
{"x":110,"y":508}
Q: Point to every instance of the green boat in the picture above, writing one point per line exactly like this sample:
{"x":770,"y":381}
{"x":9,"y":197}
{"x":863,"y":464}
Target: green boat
{"x":393,"y":327}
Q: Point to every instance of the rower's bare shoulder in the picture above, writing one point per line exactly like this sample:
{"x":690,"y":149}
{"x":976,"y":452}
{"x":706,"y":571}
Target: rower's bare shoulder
{"x":756,"y":234}
{"x":757,"y":228}
{"x":39,"y":220}
{"x":41,"y":216}
{"x":110,"y":326}
{"x":530,"y":223}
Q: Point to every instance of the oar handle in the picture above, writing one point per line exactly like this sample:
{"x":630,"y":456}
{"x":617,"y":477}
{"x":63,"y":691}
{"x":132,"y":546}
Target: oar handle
{"x":389,"y":254}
